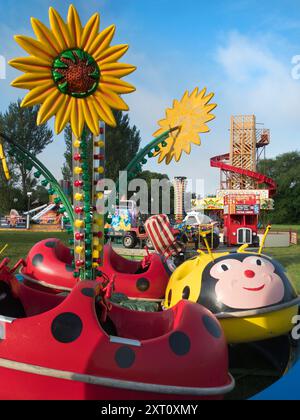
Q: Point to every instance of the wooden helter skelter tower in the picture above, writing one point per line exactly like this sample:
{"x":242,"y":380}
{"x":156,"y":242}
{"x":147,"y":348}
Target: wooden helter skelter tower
{"x":247,"y":145}
{"x":243,"y":188}
{"x":243,"y":150}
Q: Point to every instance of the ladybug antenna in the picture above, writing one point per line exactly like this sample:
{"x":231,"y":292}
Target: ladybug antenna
{"x":204,"y":236}
{"x":3,"y":249}
{"x":263,"y":241}
{"x":243,"y":249}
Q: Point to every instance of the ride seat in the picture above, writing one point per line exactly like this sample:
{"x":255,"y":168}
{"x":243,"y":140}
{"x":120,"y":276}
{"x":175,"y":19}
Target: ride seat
{"x":158,"y":324}
{"x":63,"y":253}
{"x":10,"y":306}
{"x":120,"y":264}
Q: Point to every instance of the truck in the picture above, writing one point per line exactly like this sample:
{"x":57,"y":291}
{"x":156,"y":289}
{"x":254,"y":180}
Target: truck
{"x":125,"y":224}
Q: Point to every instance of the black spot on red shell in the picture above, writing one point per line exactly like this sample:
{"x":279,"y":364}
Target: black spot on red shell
{"x":37,"y":260}
{"x":67,"y":328}
{"x":212,"y":326}
{"x":125,"y":357}
{"x":143,"y":285}
{"x":88,"y":292}
{"x":180,"y":343}
{"x":51,"y":244}
{"x":69,"y":268}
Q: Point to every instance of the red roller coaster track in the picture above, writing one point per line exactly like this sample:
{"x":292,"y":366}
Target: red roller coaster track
{"x":219,"y":162}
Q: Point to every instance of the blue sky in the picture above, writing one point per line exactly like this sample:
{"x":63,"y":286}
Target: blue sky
{"x":241,"y":50}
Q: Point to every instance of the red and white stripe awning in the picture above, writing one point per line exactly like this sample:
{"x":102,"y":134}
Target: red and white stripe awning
{"x":159,"y":230}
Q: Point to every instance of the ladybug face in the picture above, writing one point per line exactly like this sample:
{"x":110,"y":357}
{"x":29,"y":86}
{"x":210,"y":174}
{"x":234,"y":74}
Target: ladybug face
{"x":244,"y":282}
{"x":247,"y":284}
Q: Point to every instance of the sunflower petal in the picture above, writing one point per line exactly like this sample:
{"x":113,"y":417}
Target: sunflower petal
{"x":117,"y":69}
{"x":45,"y":36}
{"x":75,"y":26}
{"x":30,"y":64}
{"x":169,"y":158}
{"x":38,"y":94}
{"x":91,"y":117}
{"x":112,"y":99}
{"x":161,"y":158}
{"x":77,"y":120}
{"x":178,"y":154}
{"x":116,"y":85}
{"x":202,"y":93}
{"x":90,"y":32}
{"x":194,"y":94}
{"x":63,"y":115}
{"x":208,"y":98}
{"x":50,"y":107}
{"x":34,"y":47}
{"x":205,"y":128}
{"x":102,"y":41}
{"x":60,"y":30}
{"x":104,"y":111}
{"x":111,"y":54}
{"x":210,"y":118}
{"x":209,"y":108}
{"x":184,"y":98}
{"x":31,"y":80}
{"x":158,"y":132}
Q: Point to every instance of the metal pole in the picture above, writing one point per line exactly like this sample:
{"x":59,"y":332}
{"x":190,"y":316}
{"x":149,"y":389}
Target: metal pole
{"x":28,"y":211}
{"x":98,"y":199}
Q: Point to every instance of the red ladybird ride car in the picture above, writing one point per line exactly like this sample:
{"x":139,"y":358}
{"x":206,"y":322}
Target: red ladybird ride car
{"x":72,"y":346}
{"x":49,"y":264}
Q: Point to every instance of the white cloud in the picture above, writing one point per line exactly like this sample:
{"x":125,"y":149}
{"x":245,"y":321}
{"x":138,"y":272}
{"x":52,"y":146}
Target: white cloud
{"x":250,"y":78}
{"x":259,"y":81}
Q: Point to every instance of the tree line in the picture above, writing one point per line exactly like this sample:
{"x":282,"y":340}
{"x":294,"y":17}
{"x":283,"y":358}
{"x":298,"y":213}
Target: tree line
{"x":122,"y":144}
{"x":285,"y":170}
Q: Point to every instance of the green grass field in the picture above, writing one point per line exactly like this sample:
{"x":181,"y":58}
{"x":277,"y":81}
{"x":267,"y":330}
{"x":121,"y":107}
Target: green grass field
{"x":19,"y":243}
{"x":290,"y":259}
{"x":285,"y":228}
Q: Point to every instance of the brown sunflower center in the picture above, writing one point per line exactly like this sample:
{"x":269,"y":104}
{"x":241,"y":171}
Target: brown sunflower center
{"x":76,"y":73}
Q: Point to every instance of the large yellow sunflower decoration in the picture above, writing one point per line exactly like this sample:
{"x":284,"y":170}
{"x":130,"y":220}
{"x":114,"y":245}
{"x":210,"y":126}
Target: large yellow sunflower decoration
{"x":191,"y":115}
{"x":73,"y":72}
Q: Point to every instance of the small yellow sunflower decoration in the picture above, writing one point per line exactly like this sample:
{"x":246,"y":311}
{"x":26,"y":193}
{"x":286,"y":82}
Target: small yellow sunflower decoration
{"x":191,"y":115}
{"x":73,"y":72}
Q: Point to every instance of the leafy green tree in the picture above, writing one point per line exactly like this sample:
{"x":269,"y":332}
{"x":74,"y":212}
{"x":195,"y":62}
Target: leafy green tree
{"x":149,"y":176}
{"x":20,"y":124}
{"x":122,"y":143}
{"x":285,"y":170}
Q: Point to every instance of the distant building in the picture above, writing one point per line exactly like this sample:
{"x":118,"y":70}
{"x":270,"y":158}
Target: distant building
{"x":180,"y":185}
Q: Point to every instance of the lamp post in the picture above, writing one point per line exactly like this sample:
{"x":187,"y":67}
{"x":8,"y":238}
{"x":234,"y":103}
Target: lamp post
{"x":29,"y":195}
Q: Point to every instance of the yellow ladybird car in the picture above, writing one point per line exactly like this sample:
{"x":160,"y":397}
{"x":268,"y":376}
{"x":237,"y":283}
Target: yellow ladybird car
{"x":249,"y":293}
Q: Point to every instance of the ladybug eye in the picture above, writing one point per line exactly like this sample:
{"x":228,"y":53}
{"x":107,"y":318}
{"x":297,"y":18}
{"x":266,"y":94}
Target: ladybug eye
{"x":223,"y":268}
{"x":256,"y":261}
